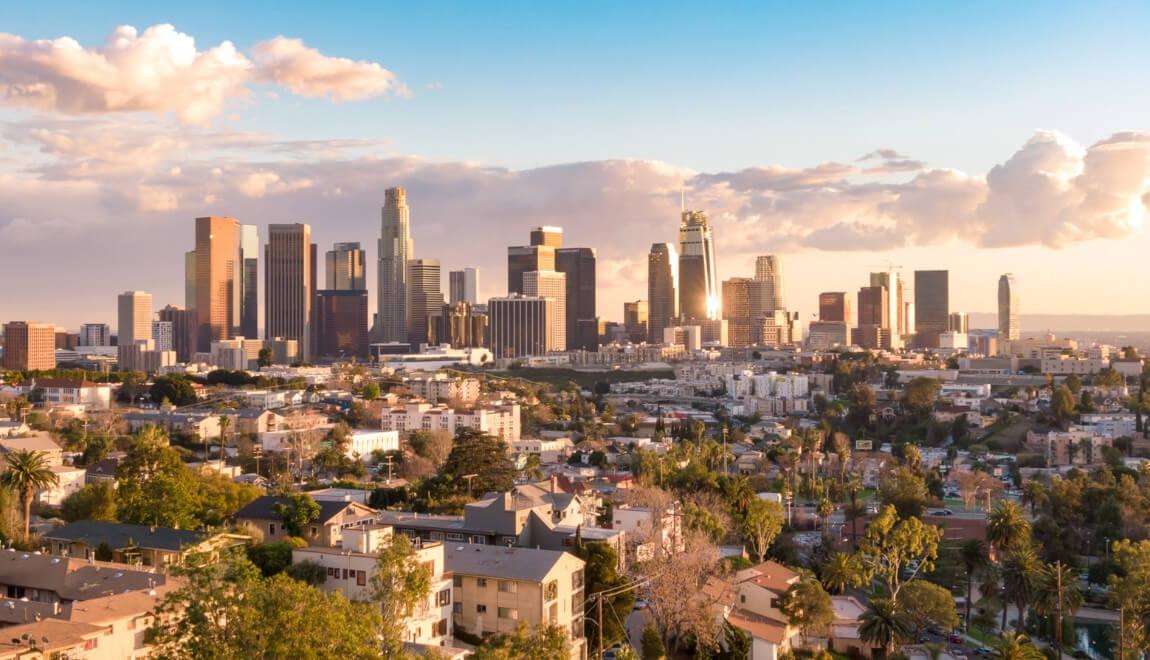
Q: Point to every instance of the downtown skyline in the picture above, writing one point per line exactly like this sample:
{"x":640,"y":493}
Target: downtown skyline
{"x":103,"y":195}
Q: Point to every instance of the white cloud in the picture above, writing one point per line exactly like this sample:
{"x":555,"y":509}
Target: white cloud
{"x":307,"y":72}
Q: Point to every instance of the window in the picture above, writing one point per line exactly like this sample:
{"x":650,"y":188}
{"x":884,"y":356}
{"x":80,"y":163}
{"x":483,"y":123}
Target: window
{"x":509,"y":613}
{"x":457,"y":581}
{"x":271,"y":529}
{"x":507,"y":587}
{"x":577,"y":579}
{"x":481,"y":609}
{"x":436,"y":536}
{"x":314,"y":532}
{"x":481,"y":582}
{"x":361,"y":578}
{"x":457,"y":608}
{"x":452,"y":536}
{"x":551,"y":590}
{"x":441,"y":628}
{"x":444,"y":597}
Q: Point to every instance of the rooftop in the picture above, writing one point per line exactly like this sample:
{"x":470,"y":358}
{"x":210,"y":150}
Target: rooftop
{"x":118,"y":535}
{"x":507,"y":563}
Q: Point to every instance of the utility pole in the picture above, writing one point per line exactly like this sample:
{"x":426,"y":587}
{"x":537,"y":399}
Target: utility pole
{"x":1121,"y":633}
{"x":1058,"y":610}
{"x":599,"y":616}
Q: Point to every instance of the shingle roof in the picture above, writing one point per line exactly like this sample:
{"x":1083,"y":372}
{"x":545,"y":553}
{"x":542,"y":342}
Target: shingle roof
{"x":263,"y":508}
{"x":500,"y":562}
{"x":118,"y":535}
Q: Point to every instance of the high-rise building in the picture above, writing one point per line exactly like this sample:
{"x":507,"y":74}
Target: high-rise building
{"x":395,"y":249}
{"x":290,"y":285}
{"x":553,"y":286}
{"x":835,"y":307}
{"x":344,"y":266}
{"x":183,"y":330}
{"x":698,"y":288}
{"x":662,"y":290}
{"x":741,"y":309}
{"x":931,"y":305}
{"x":873,"y":318}
{"x":249,"y":285}
{"x":29,"y":346}
{"x":958,"y":322}
{"x":425,"y":296}
{"x":341,"y":323}
{"x":163,"y":336}
{"x":895,"y":320}
{"x":217,"y":285}
{"x":578,"y":264}
{"x":635,"y":321}
{"x":1009,"y":328}
{"x":190,"y":279}
{"x":461,"y":326}
{"x":522,"y":326}
{"x":95,"y":334}
{"x":463,"y":286}
{"x":550,"y":236}
{"x":524,"y":259}
{"x":769,"y":271}
{"x":134,"y":318}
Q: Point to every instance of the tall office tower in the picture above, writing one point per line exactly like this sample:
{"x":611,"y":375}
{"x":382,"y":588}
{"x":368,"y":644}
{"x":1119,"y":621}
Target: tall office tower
{"x":873,"y":318}
{"x":553,"y":286}
{"x":958,"y":322}
{"x":550,"y":236}
{"x":699,"y":296}
{"x":524,"y":259}
{"x":290,"y":285}
{"x":134,"y":318}
{"x":341,"y":323}
{"x":461,"y":325}
{"x":743,"y":300}
{"x":769,"y":271}
{"x":835,"y":307}
{"x":895,"y":320}
{"x":344,"y":266}
{"x":908,"y":316}
{"x":635,"y":321}
{"x":95,"y":334}
{"x":217,"y":280}
{"x":183,"y":330}
{"x":522,"y":326}
{"x":29,"y":346}
{"x":662,"y":290}
{"x":931,"y":306}
{"x":1009,"y":328}
{"x":190,"y":279}
{"x":395,"y":249}
{"x":464,"y":286}
{"x":249,"y":285}
{"x":578,"y":264}
{"x":164,"y":335}
{"x":425,"y":295}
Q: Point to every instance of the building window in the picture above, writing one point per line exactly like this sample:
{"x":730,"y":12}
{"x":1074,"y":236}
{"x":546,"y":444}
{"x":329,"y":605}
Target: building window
{"x":457,"y":608}
{"x":436,"y":536}
{"x":481,"y":582}
{"x":361,"y":578}
{"x":454,"y":537}
{"x":271,"y":529}
{"x":509,"y":613}
{"x":444,"y":597}
{"x":551,"y":590}
{"x":457,"y":580}
{"x":507,"y":587}
{"x":441,"y":628}
{"x":577,"y":579}
{"x":481,"y":609}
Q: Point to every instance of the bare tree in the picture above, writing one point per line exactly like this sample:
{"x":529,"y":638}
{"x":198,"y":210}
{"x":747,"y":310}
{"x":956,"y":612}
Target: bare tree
{"x":675,"y":593}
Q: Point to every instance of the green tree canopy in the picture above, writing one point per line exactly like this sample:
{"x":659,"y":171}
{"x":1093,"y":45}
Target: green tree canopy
{"x":485,"y":456}
{"x":898,"y":549}
{"x":398,"y":584}
{"x":296,"y":511}
{"x":925,"y":604}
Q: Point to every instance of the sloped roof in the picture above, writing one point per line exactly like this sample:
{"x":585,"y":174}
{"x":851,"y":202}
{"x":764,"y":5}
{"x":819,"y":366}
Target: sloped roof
{"x":263,"y":508}
{"x":118,"y":535}
{"x":757,"y":626}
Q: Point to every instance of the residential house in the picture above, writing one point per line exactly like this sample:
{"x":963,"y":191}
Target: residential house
{"x":325,"y":531}
{"x":136,"y":544}
{"x":749,"y":601}
{"x":37,"y":442}
{"x":73,"y":392}
{"x":69,"y":479}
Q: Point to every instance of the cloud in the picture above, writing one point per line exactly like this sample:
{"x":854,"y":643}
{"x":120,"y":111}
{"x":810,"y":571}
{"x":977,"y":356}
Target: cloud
{"x":163,"y":71}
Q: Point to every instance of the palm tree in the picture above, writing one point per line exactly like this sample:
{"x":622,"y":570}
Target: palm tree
{"x":883,"y":625}
{"x":974,"y":558}
{"x":1021,"y":570}
{"x":225,"y":424}
{"x":1016,"y":646}
{"x":840,"y":572}
{"x":1033,"y":495}
{"x":1007,"y":527}
{"x":1057,"y":596}
{"x":25,"y":473}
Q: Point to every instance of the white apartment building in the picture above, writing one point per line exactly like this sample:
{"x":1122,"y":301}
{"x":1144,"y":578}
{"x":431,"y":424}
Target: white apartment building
{"x":1064,"y":365}
{"x":363,"y":443}
{"x":71,"y":392}
{"x":441,"y":387}
{"x":500,"y":419}
{"x":549,"y":450}
{"x":1114,"y":425}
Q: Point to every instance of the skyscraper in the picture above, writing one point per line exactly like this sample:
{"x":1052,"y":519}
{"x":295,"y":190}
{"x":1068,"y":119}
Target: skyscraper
{"x":578,"y":264}
{"x":742,"y":306}
{"x":521,"y":326}
{"x":464,"y":286}
{"x":958,"y":322}
{"x":769,"y":271}
{"x":931,"y":305}
{"x":835,"y":307}
{"x":635,"y":320}
{"x":190,"y":279}
{"x":183,"y":330}
{"x":134,"y":317}
{"x":698,"y":287}
{"x":461,"y":325}
{"x":425,"y":295}
{"x":95,"y":334}
{"x":395,"y":249}
{"x":290,"y":285}
{"x":341,"y":323}
{"x":249,"y":286}
{"x":1009,"y":328}
{"x":344,"y":266}
{"x":163,"y":336}
{"x":217,"y":280}
{"x":894,"y":314}
{"x":551,"y":285}
{"x":29,"y":346}
{"x":662,"y":290}
{"x":550,"y":236}
{"x":525,"y":258}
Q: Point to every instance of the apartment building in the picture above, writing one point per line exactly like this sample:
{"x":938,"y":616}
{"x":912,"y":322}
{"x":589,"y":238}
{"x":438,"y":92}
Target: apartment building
{"x":441,"y":387}
{"x":335,"y":519}
{"x":1065,"y":448}
{"x":73,"y":392}
{"x":498,"y":419}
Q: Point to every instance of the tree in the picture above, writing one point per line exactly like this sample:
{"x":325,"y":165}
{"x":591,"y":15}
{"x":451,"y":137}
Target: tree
{"x":96,"y":501}
{"x":674,"y":574}
{"x":807,"y":605}
{"x":1062,"y":404}
{"x":485,"y":456}
{"x":1073,"y":383}
{"x":308,"y":572}
{"x":154,"y":487}
{"x":883,"y":626}
{"x":271,"y":558}
{"x":920,"y":394}
{"x":895,"y":546}
{"x":601,"y":573}
{"x":925,"y":604}
{"x":905,"y":490}
{"x":296,"y":511}
{"x":761,"y":524}
{"x":1021,"y":571}
{"x":1007,"y":527}
{"x":974,"y":558}
{"x":432,"y":445}
{"x":1058,"y":596}
{"x":1130,"y":592}
{"x":175,"y":389}
{"x":399,"y":583}
{"x":1016,"y":646}
{"x":217,"y":497}
{"x":370,"y":391}
{"x":652,"y":643}
{"x":264,"y":360}
{"x":539,"y":643}
{"x":225,"y":425}
{"x":25,"y":473}
{"x":841,"y":571}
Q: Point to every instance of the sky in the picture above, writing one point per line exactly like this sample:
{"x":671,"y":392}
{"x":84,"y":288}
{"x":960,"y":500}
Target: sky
{"x":979,"y":137}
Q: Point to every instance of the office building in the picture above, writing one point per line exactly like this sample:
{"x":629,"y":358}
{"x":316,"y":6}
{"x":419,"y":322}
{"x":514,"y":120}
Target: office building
{"x":522,"y":326}
{"x":95,"y":334}
{"x":461,"y":325}
{"x":553,"y":286}
{"x":217,"y":279}
{"x":29,"y":346}
{"x":958,"y":322}
{"x":249,"y":282}
{"x":892,"y":282}
{"x":143,"y":356}
{"x":341,"y":323}
{"x":425,"y":296}
{"x":931,"y":306}
{"x":190,"y":266}
{"x":134,"y":317}
{"x":290,"y":285}
{"x":1009,"y":328}
{"x":698,"y":281}
{"x":549,"y":236}
{"x":742,"y":304}
{"x":662,"y":290}
{"x":769,"y":271}
{"x":524,"y":259}
{"x":825,"y":335}
{"x":578,"y":264}
{"x":163,"y":336}
{"x":835,"y":307}
{"x":873,"y":318}
{"x":463,"y":286}
{"x":635,"y":321}
{"x":183,"y":330}
{"x":344,"y":267}
{"x":395,"y":249}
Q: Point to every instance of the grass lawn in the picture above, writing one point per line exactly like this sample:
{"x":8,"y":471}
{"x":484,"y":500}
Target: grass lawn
{"x":985,"y":638}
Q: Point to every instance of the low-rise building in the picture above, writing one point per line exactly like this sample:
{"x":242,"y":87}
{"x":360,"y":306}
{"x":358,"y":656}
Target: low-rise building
{"x":363,"y":443}
{"x":1115,"y":425}
{"x":36,"y":442}
{"x":325,"y":531}
{"x":498,"y":419}
{"x":1073,"y":447}
{"x":73,"y":392}
{"x":136,"y":544}
{"x":442,"y":387}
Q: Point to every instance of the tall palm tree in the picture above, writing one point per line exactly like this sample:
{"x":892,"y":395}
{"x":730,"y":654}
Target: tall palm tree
{"x":1016,"y":646}
{"x":841,"y":572}
{"x":883,"y":626}
{"x":854,"y":509}
{"x":26,"y":472}
{"x":225,"y":424}
{"x":974,"y":558}
{"x":1007,"y":527}
{"x":1021,"y":571}
{"x":1057,"y":595}
{"x":1033,"y":495}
